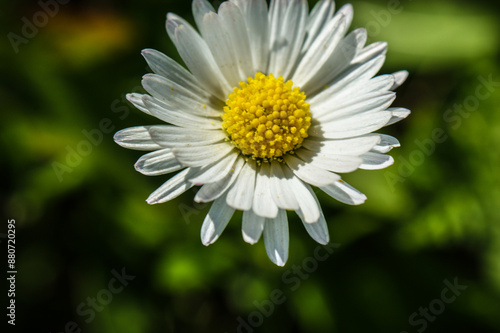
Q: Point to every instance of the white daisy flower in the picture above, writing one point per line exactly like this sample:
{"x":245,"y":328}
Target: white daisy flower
{"x":275,"y":101}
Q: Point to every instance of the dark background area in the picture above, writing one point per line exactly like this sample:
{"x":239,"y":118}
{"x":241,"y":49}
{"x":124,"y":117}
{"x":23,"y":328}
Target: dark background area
{"x":431,"y":219}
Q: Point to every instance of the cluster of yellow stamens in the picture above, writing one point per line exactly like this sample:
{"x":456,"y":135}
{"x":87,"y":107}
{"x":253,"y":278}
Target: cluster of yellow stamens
{"x":267,"y":117}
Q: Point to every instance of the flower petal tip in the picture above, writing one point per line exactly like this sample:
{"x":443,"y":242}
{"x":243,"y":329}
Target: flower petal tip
{"x":277,"y":259}
{"x":249,"y":240}
{"x":279,"y":262}
{"x":208,"y":240}
{"x":324,"y":241}
{"x":151,"y":201}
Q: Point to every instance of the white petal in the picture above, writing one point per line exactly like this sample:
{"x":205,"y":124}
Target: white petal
{"x":344,"y":193}
{"x":310,"y":210}
{"x":200,"y":9}
{"x":360,"y":88}
{"x":321,"y":50}
{"x":170,"y":69}
{"x":375,"y":161}
{"x":318,"y":230}
{"x":263,"y":204}
{"x":370,"y":52}
{"x":287,"y":25}
{"x":252,"y":226}
{"x":281,"y":188}
{"x":386,"y":143}
{"x":215,"y":172}
{"x":347,"y":11}
{"x":276,"y":238}
{"x":398,"y":114}
{"x":197,"y":56}
{"x":348,"y":80}
{"x":137,"y":138}
{"x":136,"y":100}
{"x":378,"y":83}
{"x":375,"y":101}
{"x":178,"y":118}
{"x":240,"y":195}
{"x":220,"y":43}
{"x":309,"y":173}
{"x":350,"y":146}
{"x":202,"y":156}
{"x":319,"y":16}
{"x":172,"y":136}
{"x":234,"y":23}
{"x":351,"y":126}
{"x":216,"y":221}
{"x":178,"y":97}
{"x":212,"y":191}
{"x":399,"y":78}
{"x":172,"y":188}
{"x":257,"y":23}
{"x":159,"y":162}
{"x":330,"y":161}
{"x":338,"y":62}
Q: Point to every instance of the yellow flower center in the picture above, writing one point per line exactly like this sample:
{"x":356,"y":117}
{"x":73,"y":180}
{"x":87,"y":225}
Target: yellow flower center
{"x":267,"y":117}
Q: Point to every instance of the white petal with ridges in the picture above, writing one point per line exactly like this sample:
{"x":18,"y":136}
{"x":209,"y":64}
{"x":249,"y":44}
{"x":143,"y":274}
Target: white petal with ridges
{"x":375,"y":101}
{"x":399,"y":78}
{"x":216,"y":221}
{"x":356,"y":125}
{"x":386,"y":143}
{"x":344,"y":193}
{"x":375,"y":161}
{"x":200,"y":9}
{"x":172,"y":188}
{"x":398,"y":114}
{"x":137,"y":138}
{"x":330,"y":161}
{"x":318,"y":230}
{"x":178,"y":118}
{"x":197,"y":56}
{"x":234,"y":23}
{"x":136,"y":100}
{"x":157,"y":163}
{"x":170,"y":69}
{"x":308,"y":204}
{"x":349,"y":80}
{"x":215,"y":172}
{"x":220,"y":43}
{"x":287,"y":29}
{"x":358,"y":89}
{"x":338,"y":63}
{"x":319,"y":16}
{"x":178,"y":97}
{"x":201,"y":156}
{"x":370,"y":52}
{"x":240,"y":194}
{"x":320,"y":50}
{"x":263,"y":203}
{"x":252,"y":226}
{"x":309,"y":173}
{"x":210,"y":192}
{"x":276,"y":238}
{"x":173,"y":136}
{"x":281,"y":188}
{"x":350,"y":146}
{"x":256,"y":17}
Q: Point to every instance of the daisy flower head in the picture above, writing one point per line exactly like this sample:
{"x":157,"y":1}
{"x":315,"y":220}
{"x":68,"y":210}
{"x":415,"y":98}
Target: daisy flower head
{"x":275,"y":100}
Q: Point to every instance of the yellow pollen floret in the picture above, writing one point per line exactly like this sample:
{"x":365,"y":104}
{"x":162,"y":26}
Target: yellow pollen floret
{"x":267,"y":117}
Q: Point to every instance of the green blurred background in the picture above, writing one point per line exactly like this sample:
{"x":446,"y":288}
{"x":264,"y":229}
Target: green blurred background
{"x":432,"y":216}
